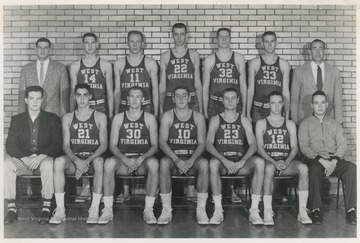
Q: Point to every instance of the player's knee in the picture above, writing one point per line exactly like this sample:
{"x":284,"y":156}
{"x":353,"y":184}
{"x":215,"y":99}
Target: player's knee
{"x":98,"y":164}
{"x":214,"y":165}
{"x":269,"y":169}
{"x":59,"y":164}
{"x":203,"y":165}
{"x":303,"y":169}
{"x":165,"y":164}
{"x":152,"y":164}
{"x":109,"y":165}
{"x":259,"y":164}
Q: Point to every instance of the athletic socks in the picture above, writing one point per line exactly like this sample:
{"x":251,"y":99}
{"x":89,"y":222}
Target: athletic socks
{"x":166,"y":199}
{"x":108,"y":201}
{"x":46,"y":205}
{"x":96,"y":200}
{"x":201,"y":199}
{"x":267,"y":202}
{"x":149,"y":202}
{"x":11,"y":205}
{"x":59,"y":198}
{"x":217,"y":201}
{"x":255,"y":199}
{"x":303,"y":198}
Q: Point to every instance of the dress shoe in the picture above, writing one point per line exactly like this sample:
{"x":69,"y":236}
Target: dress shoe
{"x":351,"y":217}
{"x":10,"y":217}
{"x":44,"y":217}
{"x":315,"y":217}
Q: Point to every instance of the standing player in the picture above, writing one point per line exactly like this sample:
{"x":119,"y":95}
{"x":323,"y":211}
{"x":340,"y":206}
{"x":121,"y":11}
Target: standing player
{"x":84,"y":141}
{"x":267,"y":73}
{"x":224,"y":69}
{"x":226,"y":135}
{"x":133,"y":141}
{"x":96,"y":72}
{"x":180,"y":67}
{"x":182,"y":139}
{"x":136,"y":69}
{"x":277,"y":144}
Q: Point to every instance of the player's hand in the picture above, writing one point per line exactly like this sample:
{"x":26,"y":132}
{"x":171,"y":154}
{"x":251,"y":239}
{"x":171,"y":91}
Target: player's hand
{"x":78,"y":174}
{"x":81,"y":165}
{"x":182,"y":166}
{"x":230,"y":167}
{"x":131,"y":164}
{"x":139,"y":160}
{"x":240,"y":164}
{"x":190,"y":163}
{"x":249,"y":117}
{"x":280,"y":165}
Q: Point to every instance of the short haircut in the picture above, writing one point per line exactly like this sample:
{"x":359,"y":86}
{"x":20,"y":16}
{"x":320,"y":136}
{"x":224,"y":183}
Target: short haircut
{"x":136,"y":32}
{"x":231,"y":90}
{"x":181,"y":87}
{"x":34,"y":88}
{"x":223,"y":29}
{"x":319,"y":92}
{"x":83,"y":86}
{"x":89,"y":34}
{"x":179,"y":26}
{"x":317,"y":40}
{"x":43,"y":39}
{"x":275,"y":93}
{"x":268,"y":33}
{"x":136,"y":88}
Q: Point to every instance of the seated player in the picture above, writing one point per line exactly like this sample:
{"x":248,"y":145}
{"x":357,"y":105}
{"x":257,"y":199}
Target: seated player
{"x":84,"y":141}
{"x":133,"y":141}
{"x":277,"y":144}
{"x":225,"y":138}
{"x":182,"y":139}
{"x":322,"y":142}
{"x":34,"y":140}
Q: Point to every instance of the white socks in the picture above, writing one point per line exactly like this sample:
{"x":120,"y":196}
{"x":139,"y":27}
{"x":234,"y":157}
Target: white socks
{"x":267,"y":201}
{"x":96,"y":200}
{"x":108,"y":201}
{"x":166,"y":199}
{"x":255,"y":199}
{"x":201,"y":199}
{"x":149,"y":202}
{"x":59,"y":198}
{"x":303,"y":198}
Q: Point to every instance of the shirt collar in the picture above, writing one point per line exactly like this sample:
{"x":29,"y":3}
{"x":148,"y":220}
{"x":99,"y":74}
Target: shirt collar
{"x":46,"y":62}
{"x":314,"y":65}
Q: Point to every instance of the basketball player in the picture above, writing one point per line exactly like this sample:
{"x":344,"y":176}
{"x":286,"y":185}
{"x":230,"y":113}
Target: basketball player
{"x":182,"y":139}
{"x":84,"y":141}
{"x":96,"y":72}
{"x":267,"y":73}
{"x":224,"y":69}
{"x":136,"y":69}
{"x":277,"y":144}
{"x":180,"y":67}
{"x":225,"y":138}
{"x":133,"y":141}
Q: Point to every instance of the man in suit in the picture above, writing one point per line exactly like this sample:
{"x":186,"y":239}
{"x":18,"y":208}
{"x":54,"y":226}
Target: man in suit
{"x":312,"y":76}
{"x":52,"y":76}
{"x":34,"y":140}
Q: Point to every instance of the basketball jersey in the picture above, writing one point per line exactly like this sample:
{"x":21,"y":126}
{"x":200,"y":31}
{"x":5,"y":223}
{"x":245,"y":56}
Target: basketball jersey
{"x":94,"y":77}
{"x":183,"y":136}
{"x":180,"y":72}
{"x":224,"y":75}
{"x":277,"y":141}
{"x":269,"y":78}
{"x":84,"y":136}
{"x":135,"y":76}
{"x":229,"y":139}
{"x":134,"y":136}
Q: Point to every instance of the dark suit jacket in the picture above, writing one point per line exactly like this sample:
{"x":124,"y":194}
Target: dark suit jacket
{"x":56,"y":87}
{"x":50,"y":135}
{"x":304,"y":85}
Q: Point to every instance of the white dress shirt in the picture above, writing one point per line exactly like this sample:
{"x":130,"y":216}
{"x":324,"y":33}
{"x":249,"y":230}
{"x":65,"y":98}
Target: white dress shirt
{"x":314,"y":68}
{"x":38,"y":66}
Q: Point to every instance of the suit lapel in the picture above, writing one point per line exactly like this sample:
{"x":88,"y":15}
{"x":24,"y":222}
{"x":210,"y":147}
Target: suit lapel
{"x":309,"y":75}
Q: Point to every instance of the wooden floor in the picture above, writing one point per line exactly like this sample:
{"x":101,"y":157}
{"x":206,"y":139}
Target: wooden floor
{"x":128,"y":223}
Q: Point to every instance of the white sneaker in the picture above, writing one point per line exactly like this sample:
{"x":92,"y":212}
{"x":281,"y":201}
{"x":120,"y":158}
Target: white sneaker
{"x":165,"y":216}
{"x":123,"y":197}
{"x":268,"y":217}
{"x":85,"y":195}
{"x":254,"y":217}
{"x":201,"y":216}
{"x":191,"y":194}
{"x":148,"y":216}
{"x":217,"y":217}
{"x":235,"y":195}
{"x":58,"y":216}
{"x":303,"y":217}
{"x":106,"y":216}
{"x":93,"y":216}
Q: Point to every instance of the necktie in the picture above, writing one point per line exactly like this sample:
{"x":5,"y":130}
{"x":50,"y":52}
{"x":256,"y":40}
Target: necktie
{"x":319,"y":83}
{"x":42,"y":74}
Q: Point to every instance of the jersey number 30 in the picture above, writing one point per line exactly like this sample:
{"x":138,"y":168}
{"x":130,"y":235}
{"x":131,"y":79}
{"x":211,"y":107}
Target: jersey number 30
{"x":133,"y":133}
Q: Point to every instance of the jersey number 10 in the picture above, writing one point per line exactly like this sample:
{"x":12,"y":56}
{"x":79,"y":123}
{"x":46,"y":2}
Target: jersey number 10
{"x":184,"y":133}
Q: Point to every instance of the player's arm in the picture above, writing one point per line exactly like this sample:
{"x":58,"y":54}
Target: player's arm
{"x":201,"y":134}
{"x":260,"y":128}
{"x":74,"y":69}
{"x":165,"y":57}
{"x":295,"y":95}
{"x":101,"y":122}
{"x":151,"y":124}
{"x":107,"y":70}
{"x":293,"y":142}
{"x":114,"y":136}
{"x":251,"y":86}
{"x":208,"y":66}
{"x":153,"y":71}
{"x":197,"y":79}
{"x":118,"y":68}
{"x":240,"y":63}
{"x":210,"y":138}
{"x":285,"y":69}
{"x":64,"y":91}
{"x":250,"y":138}
{"x":165,"y":124}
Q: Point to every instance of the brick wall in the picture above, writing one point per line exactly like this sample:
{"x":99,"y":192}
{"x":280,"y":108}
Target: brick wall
{"x":295,"y":26}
